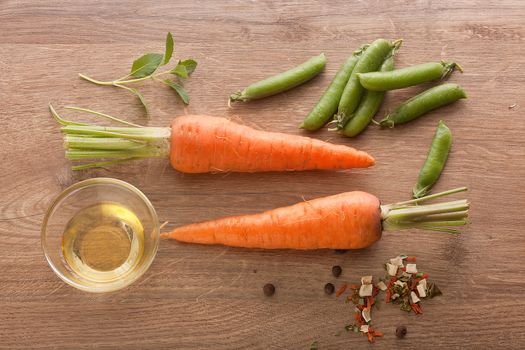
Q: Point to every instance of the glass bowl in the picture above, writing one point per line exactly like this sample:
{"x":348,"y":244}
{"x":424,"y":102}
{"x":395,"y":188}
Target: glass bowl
{"x":94,"y":223}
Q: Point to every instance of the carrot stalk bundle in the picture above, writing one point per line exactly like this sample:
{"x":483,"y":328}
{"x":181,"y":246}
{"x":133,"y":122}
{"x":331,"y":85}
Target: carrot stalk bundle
{"x":350,"y":220}
{"x":201,"y":144}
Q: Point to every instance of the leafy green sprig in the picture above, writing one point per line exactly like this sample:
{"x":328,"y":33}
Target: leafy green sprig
{"x":146,"y":66}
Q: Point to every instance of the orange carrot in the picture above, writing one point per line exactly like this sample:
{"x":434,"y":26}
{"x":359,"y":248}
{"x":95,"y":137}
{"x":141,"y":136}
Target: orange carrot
{"x":350,"y":220}
{"x":201,"y":144}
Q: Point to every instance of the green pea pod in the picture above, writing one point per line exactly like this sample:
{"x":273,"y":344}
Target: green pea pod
{"x":426,"y":101}
{"x":326,"y":107}
{"x":370,"y":61}
{"x":408,"y":76}
{"x":436,"y":159}
{"x":368,"y":107}
{"x":283,"y":81}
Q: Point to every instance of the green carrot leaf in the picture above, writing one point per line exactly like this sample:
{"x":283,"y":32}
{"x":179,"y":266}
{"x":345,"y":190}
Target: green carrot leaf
{"x":169,"y":49}
{"x":184,"y":68}
{"x":138,"y":94}
{"x":146,"y":65}
{"x":181,"y":71}
{"x":142,"y":99}
{"x":179,"y":89}
{"x":189,"y":64}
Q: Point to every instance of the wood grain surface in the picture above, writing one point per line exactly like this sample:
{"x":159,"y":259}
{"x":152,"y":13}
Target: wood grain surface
{"x":197,"y":297}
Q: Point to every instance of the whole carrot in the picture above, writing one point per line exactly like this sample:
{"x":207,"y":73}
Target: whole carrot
{"x":201,"y":144}
{"x":350,"y":220}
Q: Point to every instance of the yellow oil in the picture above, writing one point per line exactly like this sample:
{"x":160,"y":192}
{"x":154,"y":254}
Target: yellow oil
{"x":103,"y":242}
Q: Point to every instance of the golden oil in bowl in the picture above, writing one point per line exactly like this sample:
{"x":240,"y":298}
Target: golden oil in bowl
{"x":103,"y":242}
{"x":100,"y":235}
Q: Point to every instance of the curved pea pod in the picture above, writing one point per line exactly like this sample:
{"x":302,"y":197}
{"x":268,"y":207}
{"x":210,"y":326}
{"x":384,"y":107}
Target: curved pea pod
{"x":426,"y":101}
{"x":283,"y":81}
{"x":368,"y":107}
{"x":370,"y":61}
{"x":326,"y":107}
{"x":435,"y":162}
{"x":408,"y":76}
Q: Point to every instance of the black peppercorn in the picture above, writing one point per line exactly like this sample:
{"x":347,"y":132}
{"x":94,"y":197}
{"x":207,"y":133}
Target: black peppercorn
{"x":269,"y":289}
{"x":401,"y":331}
{"x":329,"y":288}
{"x":336,"y":271}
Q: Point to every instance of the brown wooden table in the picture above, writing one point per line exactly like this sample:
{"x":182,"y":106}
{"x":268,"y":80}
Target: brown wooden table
{"x":211,"y":297}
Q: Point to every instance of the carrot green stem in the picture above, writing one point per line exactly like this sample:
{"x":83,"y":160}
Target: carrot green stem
{"x":117,"y":144}
{"x":121,"y":81}
{"x":446,"y":216}
{"x":101,"y":143}
{"x":143,"y":152}
{"x":102,"y":164}
{"x":94,"y":81}
{"x":145,"y":133}
{"x":104,"y":115}
{"x":429,"y":209}
{"x":429,"y":197}
{"x":436,"y":217}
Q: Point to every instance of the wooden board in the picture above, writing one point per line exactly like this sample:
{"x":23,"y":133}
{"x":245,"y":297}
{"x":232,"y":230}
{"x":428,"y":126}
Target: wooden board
{"x":211,"y":297}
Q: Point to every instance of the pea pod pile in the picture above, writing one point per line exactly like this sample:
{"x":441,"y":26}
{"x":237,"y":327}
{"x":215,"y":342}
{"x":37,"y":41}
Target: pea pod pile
{"x":324,"y":110}
{"x":356,"y":92}
{"x":357,"y":109}
{"x":369,"y":61}
{"x":368,"y":107}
